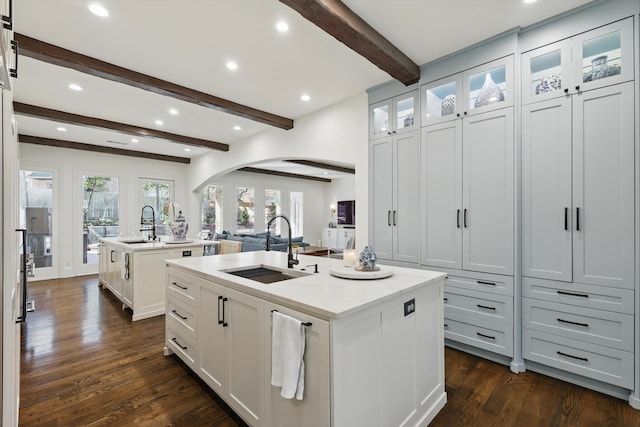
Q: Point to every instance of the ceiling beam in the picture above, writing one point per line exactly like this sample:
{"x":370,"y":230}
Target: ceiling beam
{"x":56,"y":55}
{"x":284,"y":174}
{"x":321,"y":165}
{"x":76,"y":119}
{"x":59,"y":143}
{"x":335,"y":18}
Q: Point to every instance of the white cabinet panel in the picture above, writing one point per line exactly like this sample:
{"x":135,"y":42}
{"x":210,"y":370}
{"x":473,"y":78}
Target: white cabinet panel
{"x":382,"y":197}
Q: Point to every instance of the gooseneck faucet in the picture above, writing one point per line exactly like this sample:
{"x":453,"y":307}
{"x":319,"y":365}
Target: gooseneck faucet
{"x":145,"y":221}
{"x":290,"y":260}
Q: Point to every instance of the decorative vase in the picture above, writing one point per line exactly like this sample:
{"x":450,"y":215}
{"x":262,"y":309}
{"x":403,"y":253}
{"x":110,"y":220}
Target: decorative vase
{"x":549,"y":83}
{"x":600,"y":69}
{"x":367,"y":260}
{"x":489,"y":93}
{"x":179,"y":227}
{"x":448,"y":105}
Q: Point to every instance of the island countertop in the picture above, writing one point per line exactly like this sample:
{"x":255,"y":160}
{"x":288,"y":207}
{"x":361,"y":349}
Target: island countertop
{"x":150,"y":245}
{"x":320,"y":294}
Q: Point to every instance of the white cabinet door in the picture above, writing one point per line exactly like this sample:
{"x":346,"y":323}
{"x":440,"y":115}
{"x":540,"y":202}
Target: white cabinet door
{"x":329,"y":237}
{"x":343,"y":237}
{"x":546,"y":190}
{"x":382,"y":197}
{"x":406,"y":213}
{"x":487,"y":192}
{"x":441,"y":194}
{"x":603,"y":192}
{"x":211,"y":338}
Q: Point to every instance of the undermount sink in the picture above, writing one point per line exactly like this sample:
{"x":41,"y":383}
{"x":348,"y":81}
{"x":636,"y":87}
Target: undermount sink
{"x":265,"y":274}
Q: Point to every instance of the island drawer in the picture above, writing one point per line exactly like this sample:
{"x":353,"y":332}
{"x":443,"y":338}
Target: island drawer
{"x":182,"y":314}
{"x":592,"y":296}
{"x":586,"y":324}
{"x":601,"y":363}
{"x":183,"y":287}
{"x":486,"y":335}
{"x":182,"y":344}
{"x":491,"y":283}
{"x":478,"y":305}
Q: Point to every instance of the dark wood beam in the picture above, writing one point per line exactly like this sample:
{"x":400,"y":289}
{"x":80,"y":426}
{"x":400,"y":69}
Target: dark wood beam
{"x":321,"y":165}
{"x":76,"y":119}
{"x":284,"y":174}
{"x":56,"y":55}
{"x":337,"y":19}
{"x":59,"y":143}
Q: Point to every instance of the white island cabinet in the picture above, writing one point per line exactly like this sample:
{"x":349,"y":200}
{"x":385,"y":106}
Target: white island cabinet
{"x":374,"y":349}
{"x":134,"y":272}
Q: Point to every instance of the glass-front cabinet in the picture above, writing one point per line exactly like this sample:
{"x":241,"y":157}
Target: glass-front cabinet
{"x":483,"y":88}
{"x":594,"y":59}
{"x":394,"y":115}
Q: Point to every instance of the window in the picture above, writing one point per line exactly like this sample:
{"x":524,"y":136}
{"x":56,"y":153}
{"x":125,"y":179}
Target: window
{"x":99,"y":214}
{"x":158,"y":194}
{"x":296,"y":215}
{"x":212,"y":208}
{"x":36,"y":213}
{"x":245,"y":210}
{"x":271,"y":209}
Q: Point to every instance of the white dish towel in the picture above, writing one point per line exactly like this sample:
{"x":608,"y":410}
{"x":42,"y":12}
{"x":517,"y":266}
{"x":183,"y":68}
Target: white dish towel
{"x":287,"y":355}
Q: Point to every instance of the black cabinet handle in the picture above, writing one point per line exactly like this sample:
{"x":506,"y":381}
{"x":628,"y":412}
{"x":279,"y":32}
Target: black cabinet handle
{"x":578,"y":88}
{"x":586,"y":325}
{"x":566,"y":218}
{"x":394,"y":218}
{"x":220,"y":321}
{"x":584,"y":359}
{"x":486,"y":307}
{"x":389,"y":218}
{"x":111,"y":256}
{"x":178,"y":314}
{"x":184,"y":288}
{"x":566,"y":90}
{"x":485,"y":336}
{"x":13,"y":72}
{"x":24,"y":306}
{"x":458,"y":218}
{"x":7,"y":21}
{"x":483,"y":282}
{"x":573,"y":294}
{"x":224,"y":316}
{"x":464,"y":218}
{"x":184,"y":347}
{"x":577,"y":219}
{"x":446,"y":299}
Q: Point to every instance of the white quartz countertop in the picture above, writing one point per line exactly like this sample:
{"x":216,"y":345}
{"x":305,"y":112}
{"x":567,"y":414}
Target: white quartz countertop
{"x":150,"y":245}
{"x":319,"y":294}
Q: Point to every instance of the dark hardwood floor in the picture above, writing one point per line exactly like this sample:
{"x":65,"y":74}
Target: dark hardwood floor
{"x":84,"y":363}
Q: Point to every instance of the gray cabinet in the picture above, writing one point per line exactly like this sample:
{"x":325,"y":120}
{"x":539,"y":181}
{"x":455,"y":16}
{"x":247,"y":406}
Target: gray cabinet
{"x":393,"y":116}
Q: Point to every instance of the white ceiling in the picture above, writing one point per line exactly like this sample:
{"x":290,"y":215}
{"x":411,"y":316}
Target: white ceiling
{"x":188,"y":42}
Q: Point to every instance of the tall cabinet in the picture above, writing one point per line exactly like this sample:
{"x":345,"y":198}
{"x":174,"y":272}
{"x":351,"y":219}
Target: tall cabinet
{"x":578,"y":205}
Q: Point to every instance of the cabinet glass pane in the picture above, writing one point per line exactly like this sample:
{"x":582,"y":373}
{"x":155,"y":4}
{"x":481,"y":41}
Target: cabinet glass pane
{"x":405,"y":108}
{"x":545,"y":73}
{"x":487,"y":87}
{"x":601,"y":57}
{"x":441,"y":100}
{"x":380,"y":119}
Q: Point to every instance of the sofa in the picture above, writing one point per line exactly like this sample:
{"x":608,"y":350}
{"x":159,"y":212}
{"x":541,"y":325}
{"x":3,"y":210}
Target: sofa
{"x":258,"y":242}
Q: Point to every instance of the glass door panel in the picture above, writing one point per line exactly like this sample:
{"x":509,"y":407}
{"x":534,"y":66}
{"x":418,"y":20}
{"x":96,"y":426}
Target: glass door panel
{"x":405,"y":107}
{"x":546,"y":72}
{"x":100,"y":214}
{"x":36,"y":215}
{"x":487,"y":87}
{"x":379,"y":119}
{"x":440,"y":100}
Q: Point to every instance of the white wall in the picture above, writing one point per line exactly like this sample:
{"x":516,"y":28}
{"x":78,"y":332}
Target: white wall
{"x":68,"y":167}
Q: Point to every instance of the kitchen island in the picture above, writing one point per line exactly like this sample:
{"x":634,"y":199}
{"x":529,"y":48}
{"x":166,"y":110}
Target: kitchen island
{"x":134,"y":271}
{"x":374,"y":352}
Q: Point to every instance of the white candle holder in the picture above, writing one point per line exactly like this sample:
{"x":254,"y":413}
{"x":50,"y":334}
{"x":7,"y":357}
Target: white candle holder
{"x":350,"y":257}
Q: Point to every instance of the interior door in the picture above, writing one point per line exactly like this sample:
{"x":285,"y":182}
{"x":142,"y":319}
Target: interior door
{"x":406,"y":212}
{"x":382,"y":197}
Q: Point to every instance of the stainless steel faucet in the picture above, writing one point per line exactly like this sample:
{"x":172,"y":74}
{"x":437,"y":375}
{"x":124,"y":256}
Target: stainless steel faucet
{"x":290,"y":260}
{"x":145,"y":221}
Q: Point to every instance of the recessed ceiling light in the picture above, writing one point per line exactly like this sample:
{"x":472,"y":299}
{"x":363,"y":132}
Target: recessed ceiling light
{"x":159,"y":122}
{"x":282,"y":26}
{"x":74,"y":86}
{"x":325,"y":173}
{"x":173,"y":111}
{"x":236,"y":127}
{"x":134,"y":140}
{"x":187,"y":149}
{"x":232,"y":65}
{"x":305,"y":97}
{"x":61,"y":129}
{"x":99,"y":10}
{"x":529,"y":1}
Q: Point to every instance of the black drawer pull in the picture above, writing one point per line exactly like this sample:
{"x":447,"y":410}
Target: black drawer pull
{"x":220,"y":320}
{"x":446,"y":326}
{"x":486,"y":307}
{"x":584,"y":359}
{"x":178,"y":344}
{"x":566,"y":218}
{"x":573,"y":294}
{"x":180,"y":286}
{"x":446,"y":299}
{"x":482,"y":282}
{"x":586,"y":325}
{"x":178,"y":314}
{"x":485,"y":336}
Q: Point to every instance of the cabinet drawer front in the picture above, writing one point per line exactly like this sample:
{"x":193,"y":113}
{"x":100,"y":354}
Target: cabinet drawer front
{"x":476,"y":305}
{"x":594,"y":326}
{"x":182,"y":344}
{"x":182,"y":288}
{"x":502,"y":285}
{"x":601,"y":363}
{"x":182,"y":314}
{"x":592,"y":296}
{"x":486,"y":336}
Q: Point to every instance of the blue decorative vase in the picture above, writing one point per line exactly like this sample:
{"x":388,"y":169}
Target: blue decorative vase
{"x":179,"y":227}
{"x":367,"y":260}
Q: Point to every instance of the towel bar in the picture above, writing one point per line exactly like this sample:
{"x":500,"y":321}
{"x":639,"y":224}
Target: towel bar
{"x":304,"y":323}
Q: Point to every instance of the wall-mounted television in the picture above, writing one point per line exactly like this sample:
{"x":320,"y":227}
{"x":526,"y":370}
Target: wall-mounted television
{"x":347,"y":212}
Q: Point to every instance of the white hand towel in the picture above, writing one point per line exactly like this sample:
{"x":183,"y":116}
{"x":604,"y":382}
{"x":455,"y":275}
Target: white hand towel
{"x":287,"y":355}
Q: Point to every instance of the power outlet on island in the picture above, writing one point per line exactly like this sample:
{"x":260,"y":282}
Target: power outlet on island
{"x":409,"y":307}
